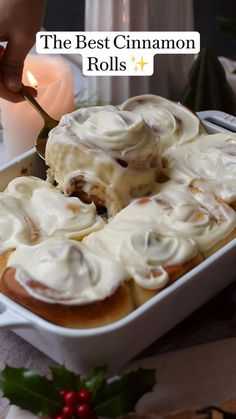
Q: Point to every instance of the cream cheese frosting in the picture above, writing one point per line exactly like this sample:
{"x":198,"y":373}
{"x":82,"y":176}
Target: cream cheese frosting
{"x":65,"y":272}
{"x":189,"y":211}
{"x":114,"y":150}
{"x":147,"y":254}
{"x":32,"y":209}
{"x":145,"y":251}
{"x":209,"y":162}
{"x":15,"y":226}
{"x":172,"y":122}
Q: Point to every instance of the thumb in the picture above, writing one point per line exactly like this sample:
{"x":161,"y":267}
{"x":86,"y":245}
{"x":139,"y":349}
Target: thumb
{"x":11,"y":65}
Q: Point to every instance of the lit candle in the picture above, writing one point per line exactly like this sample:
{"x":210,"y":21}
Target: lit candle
{"x":21,"y":123}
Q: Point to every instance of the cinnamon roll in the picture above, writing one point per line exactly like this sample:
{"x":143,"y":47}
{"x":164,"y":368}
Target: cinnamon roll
{"x":209,"y":221}
{"x":209,"y":163}
{"x":104,"y":155}
{"x":32,"y":209}
{"x":153,"y":259}
{"x":172,"y":122}
{"x":67,"y":284}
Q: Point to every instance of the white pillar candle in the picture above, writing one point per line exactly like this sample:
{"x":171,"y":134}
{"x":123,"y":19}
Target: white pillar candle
{"x":21,"y":122}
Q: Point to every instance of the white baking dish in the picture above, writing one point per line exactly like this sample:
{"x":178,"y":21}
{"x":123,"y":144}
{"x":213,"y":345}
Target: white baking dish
{"x":119,"y":342}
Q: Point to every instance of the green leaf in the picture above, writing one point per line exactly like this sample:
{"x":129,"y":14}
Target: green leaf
{"x":112,"y":398}
{"x":65,"y":379}
{"x":96,"y":380}
{"x":120,"y":395}
{"x":227,"y":25}
{"x":30,"y":391}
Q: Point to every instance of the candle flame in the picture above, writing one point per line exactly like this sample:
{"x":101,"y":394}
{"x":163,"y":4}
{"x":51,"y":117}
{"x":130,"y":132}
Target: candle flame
{"x":32,"y":80}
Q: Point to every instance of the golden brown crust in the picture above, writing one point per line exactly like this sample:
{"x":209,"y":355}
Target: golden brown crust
{"x":3,"y":263}
{"x":233,"y":205}
{"x":141,"y":295}
{"x":220,"y":244}
{"x":96,"y":314}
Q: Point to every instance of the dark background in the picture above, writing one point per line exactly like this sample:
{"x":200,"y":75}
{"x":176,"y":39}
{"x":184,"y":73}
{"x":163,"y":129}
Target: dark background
{"x":69,"y":15}
{"x":65,"y":15}
{"x":205,"y":13}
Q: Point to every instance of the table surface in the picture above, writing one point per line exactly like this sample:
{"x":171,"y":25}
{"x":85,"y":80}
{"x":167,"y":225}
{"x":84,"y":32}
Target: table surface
{"x":213,"y":322}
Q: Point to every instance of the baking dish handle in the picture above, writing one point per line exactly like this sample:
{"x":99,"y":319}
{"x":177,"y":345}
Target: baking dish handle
{"x":220,"y":119}
{"x":11,"y":320}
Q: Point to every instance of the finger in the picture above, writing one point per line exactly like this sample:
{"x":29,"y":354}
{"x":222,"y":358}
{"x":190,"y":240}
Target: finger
{"x":12,"y":64}
{"x":14,"y":97}
{"x":4,"y":92}
{"x":10,"y":96}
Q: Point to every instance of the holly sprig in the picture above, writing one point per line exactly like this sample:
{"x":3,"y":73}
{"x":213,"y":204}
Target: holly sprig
{"x":67,"y":395}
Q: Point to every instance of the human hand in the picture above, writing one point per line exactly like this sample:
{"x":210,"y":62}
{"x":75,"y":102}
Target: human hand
{"x":19,"y":22}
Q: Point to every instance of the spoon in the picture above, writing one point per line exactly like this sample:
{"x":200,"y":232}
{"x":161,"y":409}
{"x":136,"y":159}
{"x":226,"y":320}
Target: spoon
{"x":49,"y":122}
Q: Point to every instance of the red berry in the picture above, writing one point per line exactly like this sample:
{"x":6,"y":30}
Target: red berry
{"x":59,"y":417}
{"x":84,"y":395}
{"x":83,"y":410}
{"x":71,"y":398}
{"x":55,"y":415}
{"x":63,"y":392}
{"x":67,"y":412}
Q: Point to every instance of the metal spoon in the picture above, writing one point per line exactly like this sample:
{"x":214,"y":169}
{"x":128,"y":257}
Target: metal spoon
{"x":49,"y":122}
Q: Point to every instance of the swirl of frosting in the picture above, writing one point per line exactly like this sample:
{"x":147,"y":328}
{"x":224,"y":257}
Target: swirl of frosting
{"x":195,"y":213}
{"x":209,"y":162}
{"x":172,"y":122}
{"x":24,"y":186}
{"x":144,"y":250}
{"x":120,"y":134}
{"x":14,"y":226}
{"x":190,"y":211}
{"x":147,"y":254}
{"x":32,"y":209}
{"x":65,"y":272}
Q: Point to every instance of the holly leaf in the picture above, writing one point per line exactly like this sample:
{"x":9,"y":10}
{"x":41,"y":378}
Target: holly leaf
{"x":111,"y":398}
{"x":29,"y":390}
{"x":227,"y":25}
{"x":65,"y":379}
{"x":120,"y":395}
{"x":96,"y":380}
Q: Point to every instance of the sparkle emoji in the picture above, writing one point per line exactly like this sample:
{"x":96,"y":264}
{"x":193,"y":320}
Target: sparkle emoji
{"x":142,"y":63}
